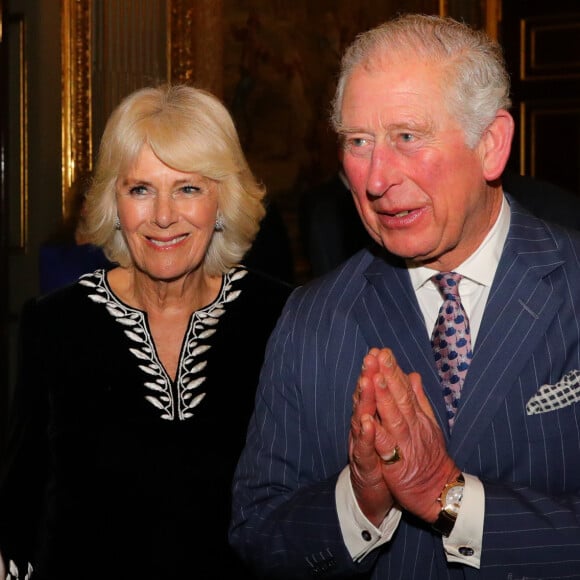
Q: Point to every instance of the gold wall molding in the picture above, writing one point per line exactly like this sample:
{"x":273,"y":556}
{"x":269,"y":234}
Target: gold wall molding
{"x":77,"y":144}
{"x":197,"y":43}
{"x":18,"y":138}
{"x":181,"y":47}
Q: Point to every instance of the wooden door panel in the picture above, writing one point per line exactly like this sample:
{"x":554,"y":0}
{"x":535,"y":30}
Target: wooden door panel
{"x":542,"y":47}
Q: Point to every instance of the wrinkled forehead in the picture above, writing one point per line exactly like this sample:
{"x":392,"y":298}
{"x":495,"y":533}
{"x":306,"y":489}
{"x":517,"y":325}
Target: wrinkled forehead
{"x":391,"y":82}
{"x":392,"y":76}
{"x":414,"y":63}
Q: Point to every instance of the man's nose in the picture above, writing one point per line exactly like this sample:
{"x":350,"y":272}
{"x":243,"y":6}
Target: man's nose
{"x":382,"y":171}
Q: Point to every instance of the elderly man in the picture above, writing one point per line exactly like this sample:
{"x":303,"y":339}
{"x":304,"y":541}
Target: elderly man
{"x":417,"y":413}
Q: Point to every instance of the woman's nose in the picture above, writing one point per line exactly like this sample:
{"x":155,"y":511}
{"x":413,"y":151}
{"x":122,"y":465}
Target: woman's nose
{"x":164,"y":211}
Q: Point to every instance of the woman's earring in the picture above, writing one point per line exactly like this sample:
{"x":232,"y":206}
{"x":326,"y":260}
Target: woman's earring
{"x":219,"y":224}
{"x":117,"y":224}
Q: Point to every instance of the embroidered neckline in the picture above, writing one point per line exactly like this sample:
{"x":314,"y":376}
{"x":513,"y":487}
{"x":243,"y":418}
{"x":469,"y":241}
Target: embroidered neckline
{"x":175,"y":403}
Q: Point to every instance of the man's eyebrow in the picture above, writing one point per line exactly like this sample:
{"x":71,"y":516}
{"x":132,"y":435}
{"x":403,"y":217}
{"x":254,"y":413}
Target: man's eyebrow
{"x":351,"y":130}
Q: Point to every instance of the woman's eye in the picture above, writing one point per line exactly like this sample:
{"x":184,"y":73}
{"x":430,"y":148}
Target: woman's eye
{"x":190,"y":189}
{"x":138,"y":190}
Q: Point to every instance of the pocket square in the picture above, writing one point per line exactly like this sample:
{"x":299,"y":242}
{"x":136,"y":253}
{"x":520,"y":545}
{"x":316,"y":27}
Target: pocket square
{"x":552,"y":397}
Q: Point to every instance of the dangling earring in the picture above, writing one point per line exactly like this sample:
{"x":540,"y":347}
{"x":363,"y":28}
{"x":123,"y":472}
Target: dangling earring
{"x":117,"y":224}
{"x":219,"y":223}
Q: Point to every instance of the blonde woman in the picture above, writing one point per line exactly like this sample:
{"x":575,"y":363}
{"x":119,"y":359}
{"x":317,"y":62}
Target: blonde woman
{"x":137,"y":384}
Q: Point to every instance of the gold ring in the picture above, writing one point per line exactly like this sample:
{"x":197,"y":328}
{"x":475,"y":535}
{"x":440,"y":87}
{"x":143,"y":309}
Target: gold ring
{"x":395,"y":456}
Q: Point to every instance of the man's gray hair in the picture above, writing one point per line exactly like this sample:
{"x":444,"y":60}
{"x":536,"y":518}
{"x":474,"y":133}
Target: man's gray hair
{"x":474,"y":72}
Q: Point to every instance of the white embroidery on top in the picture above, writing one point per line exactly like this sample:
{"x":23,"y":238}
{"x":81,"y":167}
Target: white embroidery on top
{"x":202,"y":325}
{"x":14,"y":574}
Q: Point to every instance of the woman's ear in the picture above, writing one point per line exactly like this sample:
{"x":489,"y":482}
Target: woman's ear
{"x":496,"y":144}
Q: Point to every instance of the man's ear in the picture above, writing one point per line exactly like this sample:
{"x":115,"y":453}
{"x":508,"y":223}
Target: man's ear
{"x":496,"y":144}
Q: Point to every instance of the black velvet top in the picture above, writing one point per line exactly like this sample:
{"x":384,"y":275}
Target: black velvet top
{"x":115,"y":470}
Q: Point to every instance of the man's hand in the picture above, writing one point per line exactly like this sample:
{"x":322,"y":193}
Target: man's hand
{"x":366,"y":469}
{"x":405,"y":419}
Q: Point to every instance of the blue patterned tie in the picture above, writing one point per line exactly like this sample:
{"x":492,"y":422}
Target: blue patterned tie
{"x":451,"y":341}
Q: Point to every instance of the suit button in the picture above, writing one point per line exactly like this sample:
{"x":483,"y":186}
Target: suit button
{"x":466,"y":551}
{"x":366,"y":536}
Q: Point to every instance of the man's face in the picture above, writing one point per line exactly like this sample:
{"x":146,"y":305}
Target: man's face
{"x":419,"y":189}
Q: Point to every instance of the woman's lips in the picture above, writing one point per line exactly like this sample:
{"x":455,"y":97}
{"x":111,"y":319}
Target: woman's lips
{"x":167,"y":243}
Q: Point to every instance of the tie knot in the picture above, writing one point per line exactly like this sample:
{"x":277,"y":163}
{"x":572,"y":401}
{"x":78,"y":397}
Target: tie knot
{"x":448,"y":283}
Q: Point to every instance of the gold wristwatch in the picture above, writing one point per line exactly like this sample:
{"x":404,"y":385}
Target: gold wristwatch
{"x":450,"y":500}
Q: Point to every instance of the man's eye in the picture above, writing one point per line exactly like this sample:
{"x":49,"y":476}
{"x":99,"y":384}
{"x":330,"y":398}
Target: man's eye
{"x":359,"y":146}
{"x":407,"y":137}
{"x":358,"y":142}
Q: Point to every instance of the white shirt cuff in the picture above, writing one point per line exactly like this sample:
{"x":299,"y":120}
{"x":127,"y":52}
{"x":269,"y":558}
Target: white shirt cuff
{"x":463,"y":545}
{"x":465,"y":541}
{"x":359,"y":534}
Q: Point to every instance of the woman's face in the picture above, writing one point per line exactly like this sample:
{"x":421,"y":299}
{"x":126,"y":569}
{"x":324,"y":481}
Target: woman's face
{"x":167,"y":217}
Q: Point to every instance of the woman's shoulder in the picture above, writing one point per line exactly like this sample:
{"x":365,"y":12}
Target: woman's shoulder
{"x":260,"y":281}
{"x":259,"y":288}
{"x":61,"y":301}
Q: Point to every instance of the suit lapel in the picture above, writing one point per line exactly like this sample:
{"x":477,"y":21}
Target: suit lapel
{"x":521,"y":306}
{"x":389,"y":316}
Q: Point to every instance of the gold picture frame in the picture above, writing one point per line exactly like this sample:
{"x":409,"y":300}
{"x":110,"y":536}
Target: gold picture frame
{"x":18,"y":138}
{"x":77,"y":145}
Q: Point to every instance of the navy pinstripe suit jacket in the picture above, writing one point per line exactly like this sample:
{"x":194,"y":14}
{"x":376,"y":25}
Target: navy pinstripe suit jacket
{"x":284,"y":515}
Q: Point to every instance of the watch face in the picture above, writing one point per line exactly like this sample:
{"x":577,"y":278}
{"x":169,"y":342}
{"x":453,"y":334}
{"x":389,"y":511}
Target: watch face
{"x":453,"y":498}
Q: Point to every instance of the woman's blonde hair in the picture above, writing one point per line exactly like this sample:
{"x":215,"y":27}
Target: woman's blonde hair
{"x":189,"y":130}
